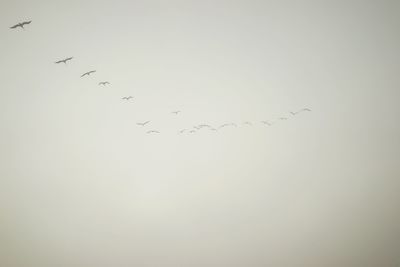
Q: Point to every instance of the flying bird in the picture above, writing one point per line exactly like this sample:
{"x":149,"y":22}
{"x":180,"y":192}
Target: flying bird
{"x":228,"y":124}
{"x":88,"y":73}
{"x":104,"y":83}
{"x":152,"y":131}
{"x":127,"y":97}
{"x":21,"y":24}
{"x":301,"y":110}
{"x":142,"y":123}
{"x":204,"y":125}
{"x":176,"y":112}
{"x":267,"y":123}
{"x":64,"y":60}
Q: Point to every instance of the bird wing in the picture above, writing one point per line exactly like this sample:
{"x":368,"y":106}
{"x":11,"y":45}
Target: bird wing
{"x":26,"y":22}
{"x":86,"y":73}
{"x":15,"y":26}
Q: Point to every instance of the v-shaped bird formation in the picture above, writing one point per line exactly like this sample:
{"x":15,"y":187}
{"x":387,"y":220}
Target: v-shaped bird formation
{"x":190,"y":130}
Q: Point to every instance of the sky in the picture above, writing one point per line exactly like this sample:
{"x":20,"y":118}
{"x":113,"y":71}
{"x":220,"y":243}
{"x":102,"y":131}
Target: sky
{"x":81,"y":184}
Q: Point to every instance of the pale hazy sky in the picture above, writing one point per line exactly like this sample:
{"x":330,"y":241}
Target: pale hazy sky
{"x":81,"y":185}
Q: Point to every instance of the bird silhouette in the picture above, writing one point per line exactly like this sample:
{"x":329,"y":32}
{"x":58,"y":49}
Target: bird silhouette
{"x":152,"y":131}
{"x":104,"y":83}
{"x":301,"y":110}
{"x":64,"y":60}
{"x":204,"y":125}
{"x":21,"y":24}
{"x":176,"y":112}
{"x":142,"y":123}
{"x":267,"y":123}
{"x":127,"y":97}
{"x":88,"y":73}
{"x":228,"y":124}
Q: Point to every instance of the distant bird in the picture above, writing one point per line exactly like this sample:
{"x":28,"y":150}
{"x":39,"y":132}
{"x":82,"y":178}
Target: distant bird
{"x":142,"y":123}
{"x":228,"y":124}
{"x":64,"y":60}
{"x":301,"y":110}
{"x":88,"y":73}
{"x":204,"y":125}
{"x":267,"y":123}
{"x":176,"y":112}
{"x":152,"y":131}
{"x":21,"y":24}
{"x":127,"y":97}
{"x":104,"y":83}
{"x":247,"y":123}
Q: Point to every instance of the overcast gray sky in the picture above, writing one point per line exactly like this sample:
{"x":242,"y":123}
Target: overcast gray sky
{"x":82,"y":185}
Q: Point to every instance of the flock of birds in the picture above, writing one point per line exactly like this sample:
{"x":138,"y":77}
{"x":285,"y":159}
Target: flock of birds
{"x":191,"y":130}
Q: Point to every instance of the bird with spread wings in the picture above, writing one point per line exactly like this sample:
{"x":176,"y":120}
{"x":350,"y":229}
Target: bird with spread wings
{"x":88,"y":73}
{"x":21,"y":24}
{"x":64,"y":60}
{"x":142,"y":123}
{"x":153,"y":131}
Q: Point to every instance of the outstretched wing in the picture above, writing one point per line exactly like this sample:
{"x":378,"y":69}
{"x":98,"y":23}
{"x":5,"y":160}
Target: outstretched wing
{"x":57,"y":62}
{"x":26,"y":22}
{"x":15,"y":26}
